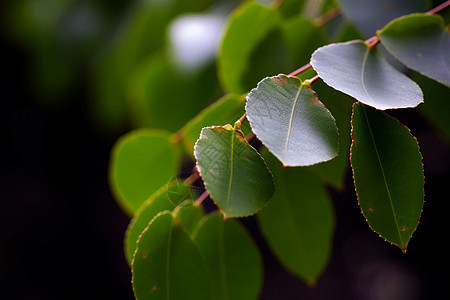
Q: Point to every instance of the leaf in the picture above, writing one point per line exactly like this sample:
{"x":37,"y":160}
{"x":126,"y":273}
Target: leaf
{"x":156,"y":86}
{"x":421,"y":42}
{"x":142,"y":161}
{"x":334,"y":172}
{"x":227,"y":109}
{"x":246,"y":28}
{"x":232,"y":257}
{"x":370,"y":15}
{"x":299,"y":222}
{"x":388,"y":174}
{"x":167,"y":264}
{"x":189,"y":214}
{"x":436,"y":106}
{"x":302,"y":37}
{"x":359,"y":71}
{"x":286,"y":115}
{"x":234,"y":173}
{"x":167,"y":197}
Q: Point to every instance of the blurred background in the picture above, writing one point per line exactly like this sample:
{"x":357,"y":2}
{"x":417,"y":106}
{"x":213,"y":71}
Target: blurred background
{"x":76,"y":74}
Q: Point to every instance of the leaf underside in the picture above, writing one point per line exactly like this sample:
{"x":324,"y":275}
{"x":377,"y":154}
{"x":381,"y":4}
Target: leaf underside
{"x":361,"y":72}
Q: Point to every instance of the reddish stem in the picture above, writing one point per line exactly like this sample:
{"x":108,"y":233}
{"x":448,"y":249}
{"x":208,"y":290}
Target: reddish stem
{"x":300,"y":70}
{"x":439,"y":8}
{"x":202,"y":198}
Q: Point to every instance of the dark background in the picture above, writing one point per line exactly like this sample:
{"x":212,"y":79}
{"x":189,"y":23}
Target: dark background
{"x":61,"y":232}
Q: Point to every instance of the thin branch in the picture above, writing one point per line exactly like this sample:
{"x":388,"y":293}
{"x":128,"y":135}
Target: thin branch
{"x":328,"y":16}
{"x":202,"y":198}
{"x":242,"y":119}
{"x":300,"y":70}
{"x":193,"y":178}
{"x":439,"y":8}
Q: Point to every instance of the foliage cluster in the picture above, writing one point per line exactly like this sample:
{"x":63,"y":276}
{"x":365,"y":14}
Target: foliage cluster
{"x":300,"y":122}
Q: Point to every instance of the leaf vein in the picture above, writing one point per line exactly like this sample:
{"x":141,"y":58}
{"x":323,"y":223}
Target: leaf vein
{"x":291,"y":119}
{"x":384,"y":176}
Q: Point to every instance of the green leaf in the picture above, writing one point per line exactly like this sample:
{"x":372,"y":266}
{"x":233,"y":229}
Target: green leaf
{"x":289,"y":119}
{"x":422,"y":43}
{"x":233,"y":259}
{"x":162,"y":97}
{"x":299,"y":222}
{"x":247,"y":27}
{"x":142,"y":161}
{"x":302,"y":37}
{"x":436,"y":106}
{"x":370,"y":15}
{"x":166,"y":198}
{"x":388,"y":174}
{"x":189,"y":214}
{"x":226,"y":110}
{"x":234,"y":173}
{"x":334,"y":172}
{"x":167,"y":264}
{"x":361,"y":72}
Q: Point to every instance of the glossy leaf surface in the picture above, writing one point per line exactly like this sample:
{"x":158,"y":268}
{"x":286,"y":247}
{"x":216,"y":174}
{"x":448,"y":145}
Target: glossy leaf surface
{"x":247,"y":27}
{"x":421,"y":42}
{"x":142,"y":162}
{"x":234,"y":173}
{"x":226,"y":110}
{"x":361,"y":72}
{"x":166,"y":198}
{"x":371,"y":15}
{"x":299,"y":222}
{"x":233,"y":259}
{"x":167,"y":264}
{"x":388,"y":174}
{"x":289,"y":119}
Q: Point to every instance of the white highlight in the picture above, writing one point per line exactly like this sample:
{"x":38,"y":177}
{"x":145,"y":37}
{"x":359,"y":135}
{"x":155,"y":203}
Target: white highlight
{"x":194,"y":39}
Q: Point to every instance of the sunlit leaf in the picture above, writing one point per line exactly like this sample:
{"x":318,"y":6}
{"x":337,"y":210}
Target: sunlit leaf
{"x":299,"y":221}
{"x":167,"y":264}
{"x":233,"y":259}
{"x":388,"y":174}
{"x":422,"y":43}
{"x":286,"y":115}
{"x":361,"y":72}
{"x":234,"y":173}
{"x":166,"y":198}
{"x":142,"y":161}
{"x":247,"y":27}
